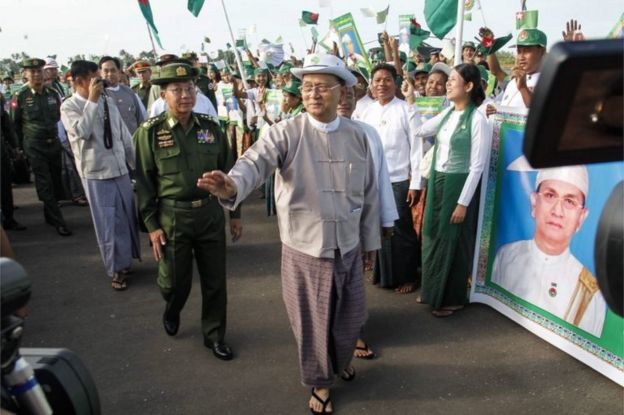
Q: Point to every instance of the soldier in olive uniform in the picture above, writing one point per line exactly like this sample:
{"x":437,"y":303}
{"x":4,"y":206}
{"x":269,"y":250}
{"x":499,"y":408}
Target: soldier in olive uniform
{"x":144,"y":72}
{"x":183,"y":221}
{"x":36,"y":112}
{"x":202,"y":81}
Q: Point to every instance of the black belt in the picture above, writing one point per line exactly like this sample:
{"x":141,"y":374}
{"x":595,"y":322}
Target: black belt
{"x":187,"y":204}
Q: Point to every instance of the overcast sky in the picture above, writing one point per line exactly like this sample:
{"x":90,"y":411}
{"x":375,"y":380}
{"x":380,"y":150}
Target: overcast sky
{"x":69,"y":27}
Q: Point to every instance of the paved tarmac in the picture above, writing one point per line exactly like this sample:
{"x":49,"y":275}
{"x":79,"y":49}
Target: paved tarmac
{"x":476,"y":362}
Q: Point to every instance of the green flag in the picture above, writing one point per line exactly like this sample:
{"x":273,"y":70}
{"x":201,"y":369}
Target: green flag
{"x":146,"y":9}
{"x":441,"y":16}
{"x":526,"y":19}
{"x":417,"y":34}
{"x":468,"y":17}
{"x":382,"y":15}
{"x":195,"y":6}
{"x":309,"y":17}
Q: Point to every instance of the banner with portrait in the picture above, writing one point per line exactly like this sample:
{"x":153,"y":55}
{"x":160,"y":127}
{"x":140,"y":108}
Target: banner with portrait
{"x":534,"y":257}
{"x":350,"y":42}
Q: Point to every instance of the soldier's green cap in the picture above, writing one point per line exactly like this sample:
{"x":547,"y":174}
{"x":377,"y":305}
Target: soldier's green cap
{"x":175,"y":72}
{"x":531,"y":37}
{"x":213,"y":68}
{"x":293,"y":87}
{"x":191,"y":56}
{"x":7,"y":76}
{"x":470,"y":45}
{"x":260,"y":71}
{"x":485,"y":76}
{"x":33,"y":63}
{"x":424,"y":68}
{"x":360,"y":71}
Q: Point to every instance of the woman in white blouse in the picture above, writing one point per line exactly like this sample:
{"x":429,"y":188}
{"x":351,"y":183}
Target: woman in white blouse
{"x":462,"y":146}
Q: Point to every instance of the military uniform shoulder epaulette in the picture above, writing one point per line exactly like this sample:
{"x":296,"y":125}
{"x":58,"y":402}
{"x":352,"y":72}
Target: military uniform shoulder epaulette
{"x":150,"y":122}
{"x":207,"y":117}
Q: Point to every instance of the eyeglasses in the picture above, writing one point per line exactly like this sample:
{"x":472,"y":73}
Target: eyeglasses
{"x":321,"y":88}
{"x":190,"y":90}
{"x":567,"y":202}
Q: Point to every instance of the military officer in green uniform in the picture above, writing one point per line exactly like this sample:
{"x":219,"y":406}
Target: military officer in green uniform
{"x":202,"y":81}
{"x":143,"y":70}
{"x":173,"y":150}
{"x":36,"y":112}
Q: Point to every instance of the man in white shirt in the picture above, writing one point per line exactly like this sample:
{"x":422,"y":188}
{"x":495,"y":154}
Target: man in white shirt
{"x":103,"y":151}
{"x":543,"y":271}
{"x":530,"y":48}
{"x":398,"y":260}
{"x":127,"y":101}
{"x":387,"y":205}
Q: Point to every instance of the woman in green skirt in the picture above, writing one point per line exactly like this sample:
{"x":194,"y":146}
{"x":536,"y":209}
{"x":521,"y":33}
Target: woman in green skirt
{"x":462,"y":147}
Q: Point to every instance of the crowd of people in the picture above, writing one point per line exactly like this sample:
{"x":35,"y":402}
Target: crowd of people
{"x":359,"y":179}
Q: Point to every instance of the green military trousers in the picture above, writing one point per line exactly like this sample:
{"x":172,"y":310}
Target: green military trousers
{"x":46,"y":163}
{"x":195,"y":232}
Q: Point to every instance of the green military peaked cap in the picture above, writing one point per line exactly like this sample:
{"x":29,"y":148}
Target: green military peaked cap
{"x":293,"y":87}
{"x":213,"y":68}
{"x":531,"y":37}
{"x":470,"y":45}
{"x":260,"y":71}
{"x":32,"y":63}
{"x":175,"y":72}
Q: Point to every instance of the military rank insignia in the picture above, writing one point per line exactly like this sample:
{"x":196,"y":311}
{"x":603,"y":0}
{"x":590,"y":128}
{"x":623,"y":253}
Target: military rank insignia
{"x":205,"y":137}
{"x":165,"y":139}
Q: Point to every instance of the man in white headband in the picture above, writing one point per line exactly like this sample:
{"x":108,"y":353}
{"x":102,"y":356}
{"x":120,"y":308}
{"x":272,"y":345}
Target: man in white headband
{"x":542,"y":270}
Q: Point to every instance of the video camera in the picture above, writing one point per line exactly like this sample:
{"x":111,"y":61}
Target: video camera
{"x":37,"y":381}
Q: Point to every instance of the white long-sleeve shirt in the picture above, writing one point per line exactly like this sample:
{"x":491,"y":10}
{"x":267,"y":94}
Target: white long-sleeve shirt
{"x":396,"y":125}
{"x":479,"y":146}
{"x":84,"y":123}
{"x":387,"y":204}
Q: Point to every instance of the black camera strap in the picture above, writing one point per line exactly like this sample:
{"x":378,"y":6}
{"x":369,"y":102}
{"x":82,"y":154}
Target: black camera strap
{"x":108,"y":132}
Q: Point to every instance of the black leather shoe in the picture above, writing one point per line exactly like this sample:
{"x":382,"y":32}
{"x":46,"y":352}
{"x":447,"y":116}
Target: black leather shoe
{"x":171,"y":324}
{"x":63,"y":231}
{"x":220,"y":350}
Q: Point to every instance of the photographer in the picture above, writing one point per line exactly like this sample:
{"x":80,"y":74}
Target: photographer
{"x":103,"y":149}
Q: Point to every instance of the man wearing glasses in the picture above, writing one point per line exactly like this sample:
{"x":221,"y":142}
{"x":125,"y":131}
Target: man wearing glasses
{"x":183,"y":221}
{"x":542,"y":270}
{"x":328,"y":215}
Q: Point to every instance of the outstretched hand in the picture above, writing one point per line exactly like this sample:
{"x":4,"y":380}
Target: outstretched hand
{"x":217,"y":183}
{"x":573,"y":31}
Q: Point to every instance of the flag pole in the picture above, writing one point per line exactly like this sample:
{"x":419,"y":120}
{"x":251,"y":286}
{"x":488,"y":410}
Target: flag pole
{"x":459,"y":32}
{"x":482,"y":14}
{"x":239,"y":62}
{"x":149,"y":32}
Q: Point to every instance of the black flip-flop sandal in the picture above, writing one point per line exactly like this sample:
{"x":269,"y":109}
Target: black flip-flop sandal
{"x":119,"y":284}
{"x":323,"y":402}
{"x":348,"y":374}
{"x":369,"y":353}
